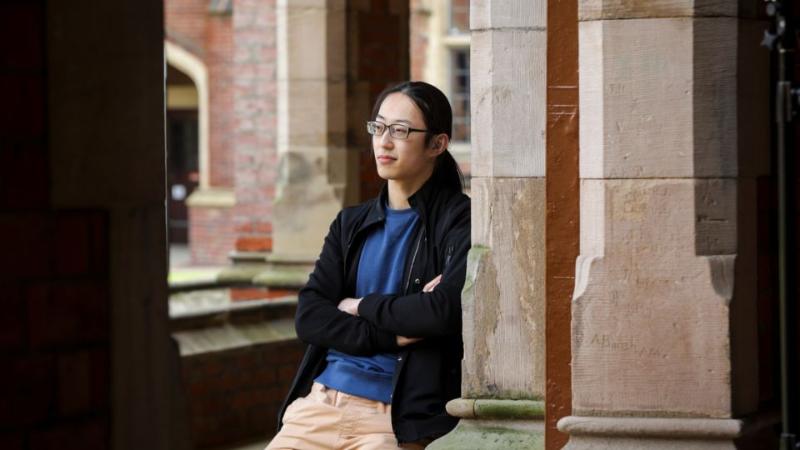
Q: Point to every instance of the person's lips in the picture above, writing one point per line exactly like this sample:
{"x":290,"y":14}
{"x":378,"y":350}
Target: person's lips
{"x":385,"y":159}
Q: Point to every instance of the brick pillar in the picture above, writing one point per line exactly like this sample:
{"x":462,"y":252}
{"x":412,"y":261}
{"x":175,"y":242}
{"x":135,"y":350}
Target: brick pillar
{"x":504,"y":297}
{"x":219,"y":57}
{"x":214,"y":205}
{"x":673,"y":131}
{"x":255,"y":107}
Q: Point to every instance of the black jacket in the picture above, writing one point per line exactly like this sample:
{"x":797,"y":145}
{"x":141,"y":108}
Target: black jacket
{"x":428,"y":373}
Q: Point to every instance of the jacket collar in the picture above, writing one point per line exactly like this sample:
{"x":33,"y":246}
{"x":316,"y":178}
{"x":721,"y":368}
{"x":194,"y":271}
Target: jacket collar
{"x":421,"y":201}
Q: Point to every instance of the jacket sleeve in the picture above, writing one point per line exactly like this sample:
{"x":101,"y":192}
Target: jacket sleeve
{"x":428,"y":314}
{"x":318,"y":321}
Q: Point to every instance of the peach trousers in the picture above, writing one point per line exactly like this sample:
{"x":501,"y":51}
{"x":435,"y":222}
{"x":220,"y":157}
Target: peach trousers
{"x":327,"y":419}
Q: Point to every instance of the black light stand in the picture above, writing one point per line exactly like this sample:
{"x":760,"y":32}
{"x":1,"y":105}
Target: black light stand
{"x":781,"y":39}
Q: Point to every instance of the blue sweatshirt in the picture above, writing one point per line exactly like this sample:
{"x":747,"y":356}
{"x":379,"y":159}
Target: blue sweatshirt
{"x":380,"y":270}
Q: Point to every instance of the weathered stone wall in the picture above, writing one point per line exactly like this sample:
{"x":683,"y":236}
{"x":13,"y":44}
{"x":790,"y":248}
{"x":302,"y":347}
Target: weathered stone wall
{"x":311,"y":112}
{"x":504,"y":296}
{"x":663,"y":318}
{"x":508,"y":148}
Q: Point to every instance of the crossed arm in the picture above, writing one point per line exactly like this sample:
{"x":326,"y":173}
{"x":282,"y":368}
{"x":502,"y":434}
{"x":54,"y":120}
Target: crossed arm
{"x":379,"y":323}
{"x":350,"y":306}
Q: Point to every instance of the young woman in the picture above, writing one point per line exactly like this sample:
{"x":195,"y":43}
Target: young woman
{"x":382,"y":309}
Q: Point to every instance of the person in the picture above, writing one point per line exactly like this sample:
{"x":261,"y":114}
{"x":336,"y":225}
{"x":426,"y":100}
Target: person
{"x":381,"y":311}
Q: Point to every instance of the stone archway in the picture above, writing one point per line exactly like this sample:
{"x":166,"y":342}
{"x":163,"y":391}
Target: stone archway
{"x":183,"y":60}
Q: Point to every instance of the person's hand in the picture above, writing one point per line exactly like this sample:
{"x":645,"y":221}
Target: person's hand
{"x":349,"y":305}
{"x":402,"y":341}
{"x":432,"y":284}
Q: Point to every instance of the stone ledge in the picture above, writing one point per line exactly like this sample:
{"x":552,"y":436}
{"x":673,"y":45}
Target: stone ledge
{"x":500,"y":409}
{"x":651,"y":427}
{"x":228,"y":326}
{"x":211,"y":311}
{"x":212,"y":198}
{"x":229,"y":336}
{"x":240,"y":273}
{"x":286,"y":277}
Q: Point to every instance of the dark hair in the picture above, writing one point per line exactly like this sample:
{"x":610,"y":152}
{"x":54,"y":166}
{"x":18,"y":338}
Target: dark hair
{"x":438,"y":117}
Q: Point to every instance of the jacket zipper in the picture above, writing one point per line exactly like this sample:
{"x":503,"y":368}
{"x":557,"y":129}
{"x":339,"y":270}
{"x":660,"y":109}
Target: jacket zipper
{"x":413,"y":258}
{"x":447,"y":257}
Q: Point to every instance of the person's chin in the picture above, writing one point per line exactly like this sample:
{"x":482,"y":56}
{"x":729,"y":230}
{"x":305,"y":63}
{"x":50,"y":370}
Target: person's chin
{"x":385,"y":173}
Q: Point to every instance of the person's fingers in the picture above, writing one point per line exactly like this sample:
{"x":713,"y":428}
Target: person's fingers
{"x":402,"y":341}
{"x":349,"y":305}
{"x":432,"y":284}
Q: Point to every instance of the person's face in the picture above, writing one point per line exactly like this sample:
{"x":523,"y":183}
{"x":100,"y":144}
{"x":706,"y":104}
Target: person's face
{"x":404,"y":160}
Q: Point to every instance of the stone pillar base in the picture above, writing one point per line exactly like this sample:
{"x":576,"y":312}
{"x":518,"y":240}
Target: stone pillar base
{"x":629,"y":433}
{"x":492,"y":434}
{"x":494,"y":424}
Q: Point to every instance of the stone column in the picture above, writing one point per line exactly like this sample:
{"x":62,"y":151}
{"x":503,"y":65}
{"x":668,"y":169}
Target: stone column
{"x":105,"y":143}
{"x":673,"y":130}
{"x":504,"y":297}
{"x":311,"y":125}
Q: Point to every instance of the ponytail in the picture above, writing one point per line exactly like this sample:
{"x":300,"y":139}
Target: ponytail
{"x":447,"y":173}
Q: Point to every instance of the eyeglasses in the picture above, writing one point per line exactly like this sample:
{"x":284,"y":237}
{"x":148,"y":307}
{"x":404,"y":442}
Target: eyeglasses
{"x":396,"y":130}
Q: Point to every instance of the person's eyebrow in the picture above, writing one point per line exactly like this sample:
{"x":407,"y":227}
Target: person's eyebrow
{"x":378,"y":116}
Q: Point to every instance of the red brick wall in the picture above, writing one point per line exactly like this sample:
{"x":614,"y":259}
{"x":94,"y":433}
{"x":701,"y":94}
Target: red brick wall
{"x":210,"y":38}
{"x":211,"y":235}
{"x":54,"y":330}
{"x":419,"y":38}
{"x":219,"y":58}
{"x":235,"y":395}
{"x":185,"y":22}
{"x":255,"y":104}
{"x":240,"y":53}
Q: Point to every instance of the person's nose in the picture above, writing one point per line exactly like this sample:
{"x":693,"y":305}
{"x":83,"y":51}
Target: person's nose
{"x":386,"y":140}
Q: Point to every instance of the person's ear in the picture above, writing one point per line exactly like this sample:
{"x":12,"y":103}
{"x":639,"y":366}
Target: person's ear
{"x":440,"y":143}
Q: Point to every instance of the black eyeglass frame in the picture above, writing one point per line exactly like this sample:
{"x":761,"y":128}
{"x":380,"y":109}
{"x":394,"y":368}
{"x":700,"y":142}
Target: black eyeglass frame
{"x":391,"y":128}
